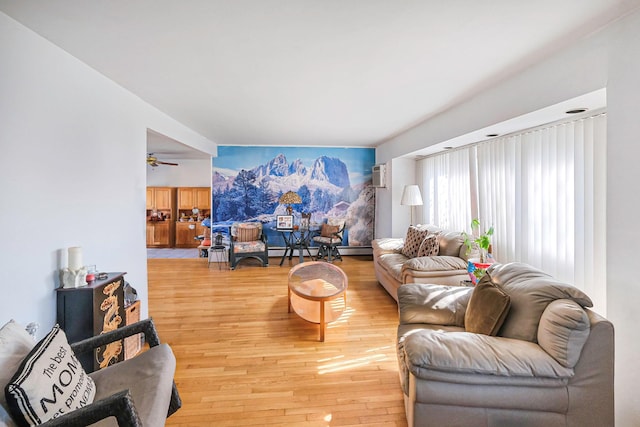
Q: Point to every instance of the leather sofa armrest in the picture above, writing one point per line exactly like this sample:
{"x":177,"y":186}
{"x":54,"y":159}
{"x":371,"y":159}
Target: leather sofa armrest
{"x":388,"y":245}
{"x":433,"y":304}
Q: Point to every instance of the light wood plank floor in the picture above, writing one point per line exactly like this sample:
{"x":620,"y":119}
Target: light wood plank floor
{"x":244,"y":361}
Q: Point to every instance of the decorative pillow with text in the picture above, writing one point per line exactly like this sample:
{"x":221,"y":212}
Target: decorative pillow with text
{"x":50,"y":382}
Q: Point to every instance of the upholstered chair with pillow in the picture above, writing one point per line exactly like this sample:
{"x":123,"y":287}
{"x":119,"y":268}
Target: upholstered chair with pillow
{"x":247,"y":241}
{"x":330,"y":237}
{"x":44,"y":383}
{"x":520,"y":348}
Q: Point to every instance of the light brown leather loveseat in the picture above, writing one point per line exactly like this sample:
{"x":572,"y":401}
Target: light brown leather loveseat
{"x":550,"y":362}
{"x":394,"y":265}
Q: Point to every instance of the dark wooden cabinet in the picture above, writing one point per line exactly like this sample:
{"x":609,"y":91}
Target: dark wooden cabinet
{"x":90,"y":310}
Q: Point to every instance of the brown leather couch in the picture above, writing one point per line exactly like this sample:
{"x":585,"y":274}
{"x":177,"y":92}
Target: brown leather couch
{"x":549,"y":364}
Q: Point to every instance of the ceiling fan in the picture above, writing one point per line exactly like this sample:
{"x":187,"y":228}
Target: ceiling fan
{"x":154,"y":162}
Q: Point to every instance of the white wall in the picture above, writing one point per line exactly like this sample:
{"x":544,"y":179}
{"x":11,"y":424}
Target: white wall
{"x":623,"y":206}
{"x":610,"y":59}
{"x":72,"y":172}
{"x":188,"y":173}
{"x":393,"y":219}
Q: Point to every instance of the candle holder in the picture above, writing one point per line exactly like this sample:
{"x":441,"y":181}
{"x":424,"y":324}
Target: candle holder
{"x":73,"y":278}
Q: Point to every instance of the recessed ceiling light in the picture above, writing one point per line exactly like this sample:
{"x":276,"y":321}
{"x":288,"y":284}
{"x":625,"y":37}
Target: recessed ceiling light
{"x":576,"y":111}
{"x":492,"y":135}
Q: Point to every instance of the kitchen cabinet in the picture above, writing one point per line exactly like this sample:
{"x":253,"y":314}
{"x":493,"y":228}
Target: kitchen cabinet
{"x":190,"y":197}
{"x":160,"y":198}
{"x":159,"y":234}
{"x":186,"y":233}
{"x":161,"y":213}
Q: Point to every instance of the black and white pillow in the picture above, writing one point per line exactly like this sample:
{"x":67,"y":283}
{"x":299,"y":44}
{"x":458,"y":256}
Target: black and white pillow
{"x":429,"y":246}
{"x":50,"y":382}
{"x":412,"y":241}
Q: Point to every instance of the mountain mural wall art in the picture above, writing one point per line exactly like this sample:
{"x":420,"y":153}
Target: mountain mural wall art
{"x":247,"y":182}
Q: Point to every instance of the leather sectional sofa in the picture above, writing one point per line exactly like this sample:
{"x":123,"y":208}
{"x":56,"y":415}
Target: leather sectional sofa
{"x":519,"y":349}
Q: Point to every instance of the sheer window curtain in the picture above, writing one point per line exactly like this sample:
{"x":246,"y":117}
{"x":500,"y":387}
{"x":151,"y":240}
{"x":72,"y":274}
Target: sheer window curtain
{"x":446,"y":190}
{"x":544,"y":191}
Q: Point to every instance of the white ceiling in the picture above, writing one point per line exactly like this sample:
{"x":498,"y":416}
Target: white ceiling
{"x":310,"y":72}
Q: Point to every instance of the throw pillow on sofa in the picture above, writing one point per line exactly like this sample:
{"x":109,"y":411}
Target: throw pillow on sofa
{"x":429,"y":246}
{"x":50,"y":381}
{"x":15,"y":344}
{"x":413,"y":240}
{"x":487,"y":309}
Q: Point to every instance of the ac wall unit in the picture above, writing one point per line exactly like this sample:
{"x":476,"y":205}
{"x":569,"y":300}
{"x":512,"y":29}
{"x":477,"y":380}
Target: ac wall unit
{"x":378,"y":176}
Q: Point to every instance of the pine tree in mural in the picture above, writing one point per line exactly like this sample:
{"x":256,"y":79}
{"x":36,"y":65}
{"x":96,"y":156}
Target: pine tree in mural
{"x":267,"y":200}
{"x":305,"y":195}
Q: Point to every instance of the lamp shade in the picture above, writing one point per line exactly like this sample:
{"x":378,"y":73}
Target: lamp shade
{"x":411,"y":196}
{"x":290,"y":198}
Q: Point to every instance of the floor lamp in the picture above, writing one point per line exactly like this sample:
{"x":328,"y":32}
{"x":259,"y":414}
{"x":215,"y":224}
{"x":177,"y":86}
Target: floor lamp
{"x":411,"y":197}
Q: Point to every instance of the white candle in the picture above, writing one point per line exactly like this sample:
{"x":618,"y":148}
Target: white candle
{"x":75,"y":258}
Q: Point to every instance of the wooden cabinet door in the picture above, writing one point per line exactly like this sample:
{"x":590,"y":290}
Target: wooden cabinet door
{"x":185,"y":198}
{"x":163,"y":198}
{"x":150,"y":234}
{"x":203,"y":198}
{"x":161,"y":234}
{"x":108,"y":315}
{"x":185,"y":236}
{"x":150,"y":198}
{"x":158,"y":234}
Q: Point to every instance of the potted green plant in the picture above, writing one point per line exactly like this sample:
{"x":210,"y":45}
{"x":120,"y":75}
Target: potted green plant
{"x":481,"y":240}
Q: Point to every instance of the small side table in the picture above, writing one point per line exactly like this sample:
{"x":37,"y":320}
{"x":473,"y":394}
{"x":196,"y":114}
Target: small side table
{"x":218,"y":254}
{"x":313,"y":287}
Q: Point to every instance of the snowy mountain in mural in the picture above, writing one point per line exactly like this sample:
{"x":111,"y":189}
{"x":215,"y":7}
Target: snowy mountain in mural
{"x":323,"y":184}
{"x":278,"y":175}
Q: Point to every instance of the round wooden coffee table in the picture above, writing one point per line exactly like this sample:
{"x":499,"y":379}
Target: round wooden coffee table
{"x":318,"y":292}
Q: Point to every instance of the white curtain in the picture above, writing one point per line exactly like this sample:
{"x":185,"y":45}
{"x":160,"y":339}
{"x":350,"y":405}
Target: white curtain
{"x":544,"y":192}
{"x":446,"y":190}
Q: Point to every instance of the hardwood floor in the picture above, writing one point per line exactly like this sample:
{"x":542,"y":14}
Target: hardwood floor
{"x":242,"y":360}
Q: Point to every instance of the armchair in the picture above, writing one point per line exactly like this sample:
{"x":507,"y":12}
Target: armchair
{"x":331,"y":235}
{"x":247,"y":241}
{"x":518,"y":349}
{"x":136,"y":392}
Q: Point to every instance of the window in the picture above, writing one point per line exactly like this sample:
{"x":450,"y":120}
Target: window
{"x":542,"y":189}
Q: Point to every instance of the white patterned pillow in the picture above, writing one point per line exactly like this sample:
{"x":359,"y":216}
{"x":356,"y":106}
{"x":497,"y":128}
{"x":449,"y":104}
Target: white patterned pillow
{"x":413,"y":240}
{"x":15,"y":344}
{"x":429,"y":246}
{"x":50,"y":382}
